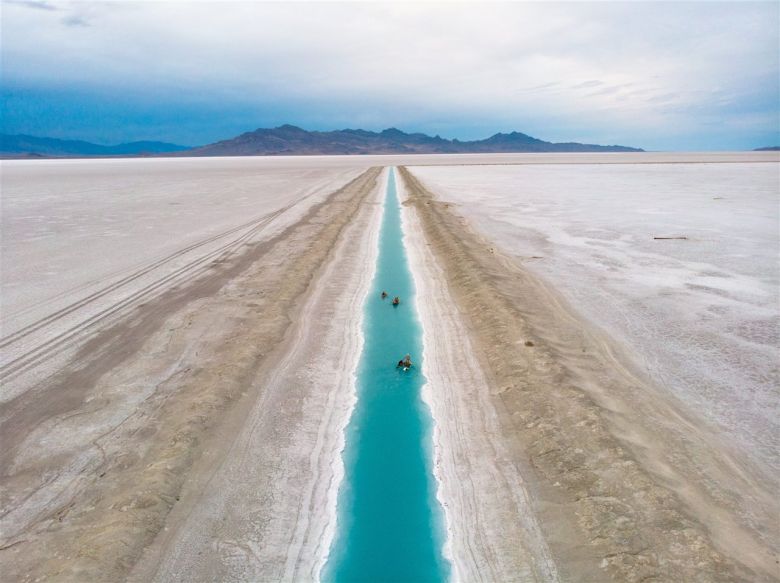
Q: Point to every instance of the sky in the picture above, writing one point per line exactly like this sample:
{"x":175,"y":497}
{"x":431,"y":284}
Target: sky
{"x":656,"y":75}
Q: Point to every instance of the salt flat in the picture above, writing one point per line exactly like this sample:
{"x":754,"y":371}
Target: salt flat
{"x":155,"y":372}
{"x":84,"y":241}
{"x":627,"y":478}
{"x":188,"y":332}
{"x":699,"y":315}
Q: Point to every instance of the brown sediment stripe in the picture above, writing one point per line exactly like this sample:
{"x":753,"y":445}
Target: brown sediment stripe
{"x":604,"y":516}
{"x":100,"y":531}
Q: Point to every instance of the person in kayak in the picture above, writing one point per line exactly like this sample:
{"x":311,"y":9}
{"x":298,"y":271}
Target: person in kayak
{"x":405,"y":362}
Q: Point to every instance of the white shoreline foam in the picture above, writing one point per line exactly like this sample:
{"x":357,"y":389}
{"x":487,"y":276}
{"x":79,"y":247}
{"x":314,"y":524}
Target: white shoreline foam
{"x":337,"y":463}
{"x":491,"y":529}
{"x":288,"y":474}
{"x":415,"y":267}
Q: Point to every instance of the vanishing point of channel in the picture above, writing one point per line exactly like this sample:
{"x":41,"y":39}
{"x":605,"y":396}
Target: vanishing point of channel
{"x":390,"y":524}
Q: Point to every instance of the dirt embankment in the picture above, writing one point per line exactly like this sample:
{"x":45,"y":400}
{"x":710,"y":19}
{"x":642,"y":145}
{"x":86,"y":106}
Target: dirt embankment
{"x":625,"y":485}
{"x":84,"y":510}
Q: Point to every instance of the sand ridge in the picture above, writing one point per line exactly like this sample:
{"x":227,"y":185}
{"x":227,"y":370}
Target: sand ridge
{"x":190,"y":359}
{"x":594,"y":472}
{"x":493,"y":534}
{"x":266,"y":511}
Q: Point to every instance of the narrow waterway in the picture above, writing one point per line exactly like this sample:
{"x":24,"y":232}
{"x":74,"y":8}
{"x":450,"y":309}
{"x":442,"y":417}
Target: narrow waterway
{"x":390,"y":524}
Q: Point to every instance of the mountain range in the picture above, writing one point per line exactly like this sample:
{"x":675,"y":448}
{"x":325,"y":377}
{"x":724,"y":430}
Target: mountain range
{"x":23,"y":146}
{"x":294,"y":141}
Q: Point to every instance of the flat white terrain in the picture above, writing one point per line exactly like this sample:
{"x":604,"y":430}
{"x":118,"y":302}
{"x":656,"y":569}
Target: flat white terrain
{"x":84,"y":241}
{"x":700,"y":315}
{"x":179,"y":339}
{"x":155,"y":313}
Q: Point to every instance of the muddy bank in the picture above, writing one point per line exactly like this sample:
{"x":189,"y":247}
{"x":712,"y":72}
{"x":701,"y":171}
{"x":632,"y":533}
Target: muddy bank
{"x":493,"y":532}
{"x":624,"y":484}
{"x":95,"y":459}
{"x":262,"y":507}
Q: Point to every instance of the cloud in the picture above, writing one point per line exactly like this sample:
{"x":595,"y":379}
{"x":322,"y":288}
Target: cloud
{"x":607,"y":90}
{"x":34,"y":4}
{"x":74,"y":20}
{"x":587,"y":84}
{"x":628,"y":70}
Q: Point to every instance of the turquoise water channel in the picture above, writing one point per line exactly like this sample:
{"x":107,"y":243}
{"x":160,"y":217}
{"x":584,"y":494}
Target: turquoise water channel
{"x":390,"y":524}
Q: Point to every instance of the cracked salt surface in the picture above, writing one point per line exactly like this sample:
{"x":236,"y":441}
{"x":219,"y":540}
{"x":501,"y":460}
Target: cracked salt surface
{"x":701,"y":315}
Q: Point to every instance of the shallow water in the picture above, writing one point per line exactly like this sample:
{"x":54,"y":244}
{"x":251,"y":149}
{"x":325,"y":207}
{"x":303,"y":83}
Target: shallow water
{"x":390,"y":524}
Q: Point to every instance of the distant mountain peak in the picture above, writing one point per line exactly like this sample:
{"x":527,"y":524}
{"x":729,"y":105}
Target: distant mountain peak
{"x":17,"y":145}
{"x":516,"y":137}
{"x":392,"y":132}
{"x":292,"y":140}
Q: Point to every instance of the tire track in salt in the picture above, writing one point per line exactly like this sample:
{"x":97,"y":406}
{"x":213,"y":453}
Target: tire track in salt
{"x":194,"y":268}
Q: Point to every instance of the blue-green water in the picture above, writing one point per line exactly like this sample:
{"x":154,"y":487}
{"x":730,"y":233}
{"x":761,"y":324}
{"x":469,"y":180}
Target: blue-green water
{"x":390,"y":524}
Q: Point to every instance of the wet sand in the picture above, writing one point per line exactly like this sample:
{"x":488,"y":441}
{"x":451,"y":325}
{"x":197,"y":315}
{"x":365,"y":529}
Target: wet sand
{"x":624,"y":485}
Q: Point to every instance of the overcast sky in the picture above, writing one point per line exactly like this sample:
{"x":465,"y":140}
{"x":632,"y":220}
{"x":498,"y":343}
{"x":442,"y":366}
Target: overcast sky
{"x":662,"y":76}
